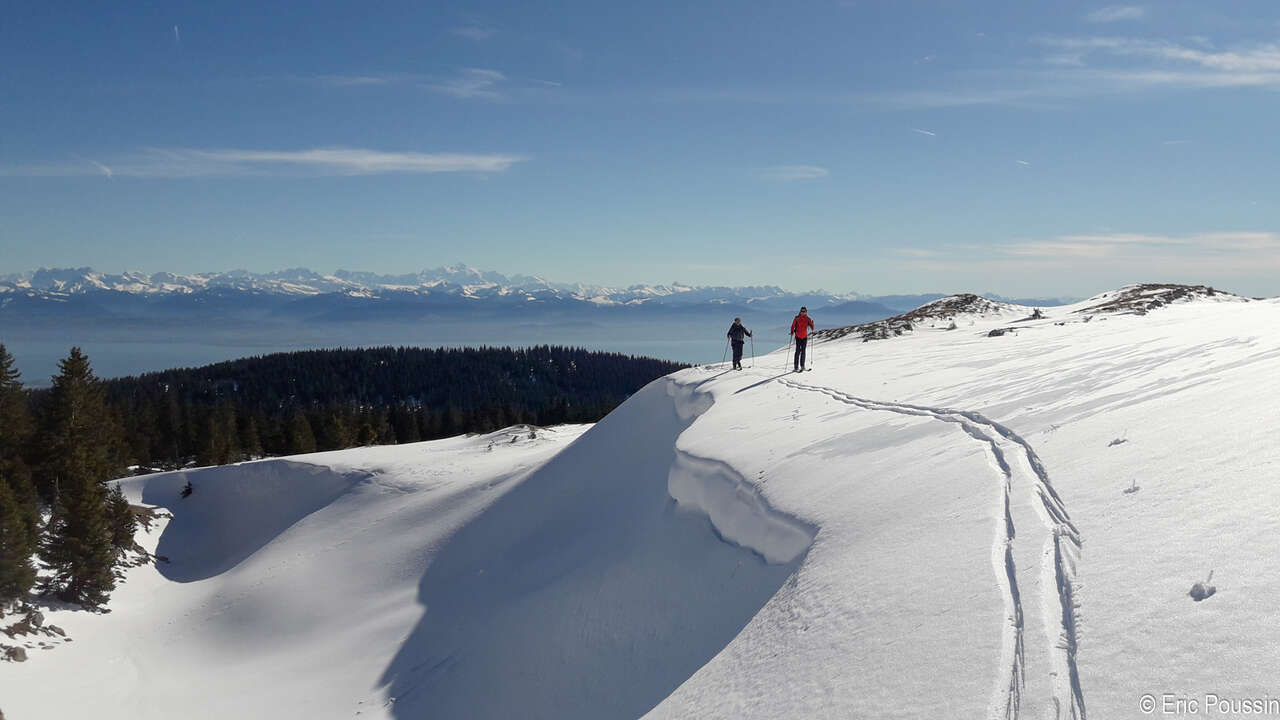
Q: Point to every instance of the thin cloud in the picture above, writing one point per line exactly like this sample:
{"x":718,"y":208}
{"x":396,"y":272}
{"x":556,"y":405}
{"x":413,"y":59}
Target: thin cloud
{"x":1132,"y":245}
{"x":471,"y":83}
{"x":1023,"y":163}
{"x":793,"y":173}
{"x":352,"y":80}
{"x":316,"y":162}
{"x":177,"y":36}
{"x":924,"y":132}
{"x":1117,"y":13}
{"x":1256,"y":59}
{"x":1194,"y":258}
{"x":478,"y":33}
{"x":1079,"y":67}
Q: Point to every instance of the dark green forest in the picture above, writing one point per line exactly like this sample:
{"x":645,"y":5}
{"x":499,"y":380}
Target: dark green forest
{"x":61,"y":446}
{"x":329,"y":399}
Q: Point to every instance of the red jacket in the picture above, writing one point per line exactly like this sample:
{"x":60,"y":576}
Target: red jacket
{"x":801,"y":326}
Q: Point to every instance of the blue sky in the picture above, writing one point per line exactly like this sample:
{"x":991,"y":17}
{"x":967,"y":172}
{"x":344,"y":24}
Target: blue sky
{"x":1014,"y":147}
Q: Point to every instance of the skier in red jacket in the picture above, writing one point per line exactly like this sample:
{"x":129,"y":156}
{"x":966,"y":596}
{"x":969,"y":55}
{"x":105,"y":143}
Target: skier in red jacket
{"x":800,"y":328}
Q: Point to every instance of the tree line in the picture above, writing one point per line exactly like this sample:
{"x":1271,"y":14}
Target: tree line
{"x":61,"y":446}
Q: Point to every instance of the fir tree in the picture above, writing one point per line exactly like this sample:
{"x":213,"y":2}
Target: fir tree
{"x":15,"y":420}
{"x":250,"y":441}
{"x":78,"y":549}
{"x":15,"y":434}
{"x":301,"y":437}
{"x":79,"y":445}
{"x":16,"y":573}
{"x":27,"y":500}
{"x":123,"y":524}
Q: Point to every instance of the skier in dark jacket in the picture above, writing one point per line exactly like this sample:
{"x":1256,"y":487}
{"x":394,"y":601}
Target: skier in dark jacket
{"x":800,"y":328}
{"x":736,"y":334}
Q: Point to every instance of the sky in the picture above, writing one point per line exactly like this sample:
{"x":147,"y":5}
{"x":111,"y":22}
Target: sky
{"x":1022,"y":148}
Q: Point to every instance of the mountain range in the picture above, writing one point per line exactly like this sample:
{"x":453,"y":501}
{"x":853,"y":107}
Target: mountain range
{"x":455,"y":281}
{"x":136,"y":322}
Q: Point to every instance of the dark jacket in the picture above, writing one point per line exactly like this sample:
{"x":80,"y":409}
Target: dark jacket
{"x":736,"y":331}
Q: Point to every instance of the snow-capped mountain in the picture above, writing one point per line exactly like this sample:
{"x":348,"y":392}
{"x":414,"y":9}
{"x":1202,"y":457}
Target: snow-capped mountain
{"x":195,"y":319}
{"x":1072,"y":518}
{"x":458,"y":280}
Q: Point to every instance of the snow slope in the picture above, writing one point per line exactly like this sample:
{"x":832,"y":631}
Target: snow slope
{"x":290,"y":585}
{"x":943,"y":523}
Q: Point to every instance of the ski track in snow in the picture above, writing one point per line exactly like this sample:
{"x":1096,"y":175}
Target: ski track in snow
{"x":1059,"y":556}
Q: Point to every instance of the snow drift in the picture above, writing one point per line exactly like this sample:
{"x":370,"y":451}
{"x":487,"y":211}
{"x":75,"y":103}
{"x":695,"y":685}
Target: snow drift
{"x":586,"y":592}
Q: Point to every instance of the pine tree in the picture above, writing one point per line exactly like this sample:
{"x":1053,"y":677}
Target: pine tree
{"x":78,"y":548}
{"x":15,"y":433}
{"x":79,"y":445}
{"x":16,"y":573}
{"x":337,"y":434}
{"x":15,"y":420}
{"x":26,"y":499}
{"x":250,"y":441}
{"x":123,"y":524}
{"x":301,"y":437}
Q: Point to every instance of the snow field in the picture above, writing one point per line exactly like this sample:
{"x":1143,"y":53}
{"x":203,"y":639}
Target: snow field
{"x":302,"y":627}
{"x":1069,"y":412}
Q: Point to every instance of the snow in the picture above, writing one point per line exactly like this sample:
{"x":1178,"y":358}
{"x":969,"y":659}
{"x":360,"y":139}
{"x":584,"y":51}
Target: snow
{"x":290,"y":586}
{"x":941,"y":524}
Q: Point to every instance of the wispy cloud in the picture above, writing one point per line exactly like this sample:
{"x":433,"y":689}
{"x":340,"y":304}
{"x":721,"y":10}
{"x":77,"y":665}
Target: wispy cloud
{"x":177,"y":36}
{"x":352,"y":80}
{"x":471,"y":83}
{"x":474,"y":31}
{"x":1257,"y":58}
{"x":924,"y":132}
{"x":1117,"y":13}
{"x":1023,"y":163}
{"x":1143,"y":256}
{"x":316,"y":162}
{"x":1072,"y":68}
{"x":793,"y":173}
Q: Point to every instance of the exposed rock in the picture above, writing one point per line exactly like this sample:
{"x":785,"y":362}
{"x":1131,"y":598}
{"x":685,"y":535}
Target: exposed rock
{"x":56,"y":630}
{"x":1141,"y":299}
{"x":998,"y":332}
{"x":942,"y":310}
{"x":13,"y":653}
{"x":35,"y":618}
{"x":1200,"y":591}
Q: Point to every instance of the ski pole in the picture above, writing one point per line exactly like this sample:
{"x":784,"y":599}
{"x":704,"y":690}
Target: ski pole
{"x":753,"y":351}
{"x":725,"y":354}
{"x":788,"y":355}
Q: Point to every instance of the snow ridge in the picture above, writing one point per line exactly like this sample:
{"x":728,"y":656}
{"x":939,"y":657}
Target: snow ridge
{"x":737,"y":511}
{"x":1058,"y":558}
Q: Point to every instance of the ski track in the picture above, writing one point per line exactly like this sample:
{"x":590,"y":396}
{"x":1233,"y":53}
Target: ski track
{"x":1058,"y":558}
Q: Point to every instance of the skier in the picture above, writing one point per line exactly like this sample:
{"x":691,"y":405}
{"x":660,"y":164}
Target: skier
{"x":735,"y":335}
{"x":800,"y":328}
